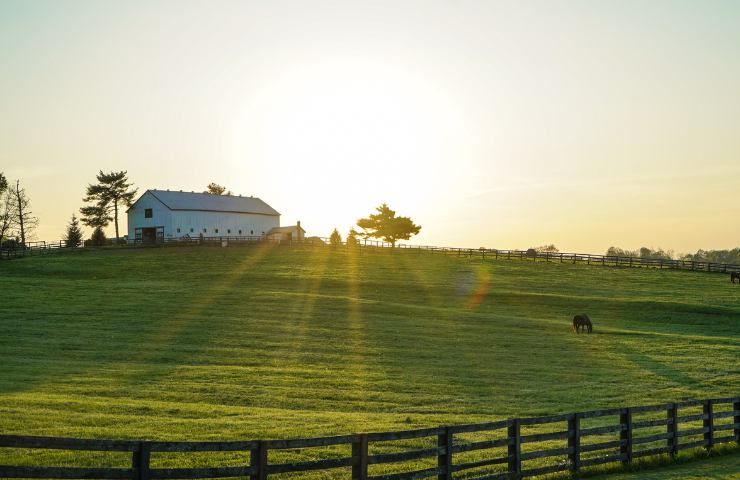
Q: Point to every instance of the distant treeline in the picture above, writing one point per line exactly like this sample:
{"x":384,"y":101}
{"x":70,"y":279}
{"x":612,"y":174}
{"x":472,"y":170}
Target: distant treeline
{"x":715,"y":256}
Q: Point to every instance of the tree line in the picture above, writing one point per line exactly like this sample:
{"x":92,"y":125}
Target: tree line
{"x":731,"y":256}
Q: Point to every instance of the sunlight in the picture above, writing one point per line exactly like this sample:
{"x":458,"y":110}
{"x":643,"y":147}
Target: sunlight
{"x":332,"y":130}
{"x":300,"y":324}
{"x":170,"y":330}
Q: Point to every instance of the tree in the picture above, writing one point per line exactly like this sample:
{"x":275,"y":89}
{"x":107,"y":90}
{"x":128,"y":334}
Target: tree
{"x":95,"y":216}
{"x":335,"y":238}
{"x":619,"y":252}
{"x":387,"y":226}
{"x":7,"y":215}
{"x":98,"y":237}
{"x":547,"y":249}
{"x":22,"y":217}
{"x":3,"y":183}
{"x":73,"y":237}
{"x":352,"y":238}
{"x":111,"y":190}
{"x":215,"y":189}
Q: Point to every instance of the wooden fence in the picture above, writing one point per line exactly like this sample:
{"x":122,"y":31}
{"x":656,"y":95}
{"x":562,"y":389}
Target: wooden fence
{"x":574,"y":445}
{"x":39,"y":248}
{"x":33,"y":248}
{"x":581,"y":258}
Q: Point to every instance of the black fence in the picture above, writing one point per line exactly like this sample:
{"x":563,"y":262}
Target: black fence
{"x":41,"y":248}
{"x":570,"y":442}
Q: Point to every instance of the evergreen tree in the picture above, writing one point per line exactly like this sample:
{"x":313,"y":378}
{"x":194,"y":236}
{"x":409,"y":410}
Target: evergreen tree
{"x":73,"y":237}
{"x":111,"y":191}
{"x":387,"y":226}
{"x":215,"y":189}
{"x":98,"y":237}
{"x":335,"y":238}
{"x":352,"y":238}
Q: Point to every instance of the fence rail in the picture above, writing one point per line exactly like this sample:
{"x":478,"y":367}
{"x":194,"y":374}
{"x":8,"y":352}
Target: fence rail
{"x":575,"y":453}
{"x":37,"y":248}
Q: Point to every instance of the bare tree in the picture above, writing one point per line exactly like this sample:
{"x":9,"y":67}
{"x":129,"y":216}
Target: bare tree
{"x":7,"y":215}
{"x":23,"y":217}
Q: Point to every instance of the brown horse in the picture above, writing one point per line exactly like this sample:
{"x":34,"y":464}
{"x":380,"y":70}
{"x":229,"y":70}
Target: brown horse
{"x":735,"y":276}
{"x":581,"y":322}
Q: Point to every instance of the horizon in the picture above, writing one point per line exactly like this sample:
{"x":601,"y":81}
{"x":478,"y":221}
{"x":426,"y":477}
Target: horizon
{"x":503,"y":125}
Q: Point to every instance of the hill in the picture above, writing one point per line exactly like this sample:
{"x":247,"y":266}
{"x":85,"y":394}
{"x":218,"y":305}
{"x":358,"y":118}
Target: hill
{"x":270,"y":342}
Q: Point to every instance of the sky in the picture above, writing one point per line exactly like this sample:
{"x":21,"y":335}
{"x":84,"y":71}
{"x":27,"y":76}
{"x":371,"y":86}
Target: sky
{"x":586,"y":124}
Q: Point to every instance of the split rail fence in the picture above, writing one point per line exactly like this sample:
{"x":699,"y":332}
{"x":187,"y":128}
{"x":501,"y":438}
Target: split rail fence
{"x":569,"y":440}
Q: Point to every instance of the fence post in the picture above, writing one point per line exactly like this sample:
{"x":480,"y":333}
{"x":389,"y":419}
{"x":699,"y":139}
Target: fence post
{"x":444,"y":460}
{"x":515,"y":448}
{"x":574,"y":442}
{"x":359,"y":456}
{"x":258,"y":459}
{"x":625,"y":420}
{"x":736,"y":418}
{"x":140,"y":461}
{"x":672,"y":428}
{"x":708,"y":424}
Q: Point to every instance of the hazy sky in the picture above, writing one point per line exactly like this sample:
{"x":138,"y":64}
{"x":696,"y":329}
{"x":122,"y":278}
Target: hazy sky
{"x":499,"y":124}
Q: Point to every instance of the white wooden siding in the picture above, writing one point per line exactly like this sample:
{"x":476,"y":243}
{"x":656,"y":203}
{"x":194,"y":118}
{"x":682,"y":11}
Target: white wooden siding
{"x":186,"y":220}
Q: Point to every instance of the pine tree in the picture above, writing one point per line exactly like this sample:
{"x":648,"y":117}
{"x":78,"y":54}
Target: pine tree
{"x":98,"y":237}
{"x":387,"y":226}
{"x":352,"y":238}
{"x":335,"y":238}
{"x":111,"y":191}
{"x":73,"y":237}
{"x":215,"y":189}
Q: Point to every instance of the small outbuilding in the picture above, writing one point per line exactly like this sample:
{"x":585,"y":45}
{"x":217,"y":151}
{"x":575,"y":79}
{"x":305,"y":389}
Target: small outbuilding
{"x":289,"y":233}
{"x":163,"y":214}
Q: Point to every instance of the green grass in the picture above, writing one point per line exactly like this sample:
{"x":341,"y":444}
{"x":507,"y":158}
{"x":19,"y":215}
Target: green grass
{"x":726,"y":467}
{"x":264,"y":342}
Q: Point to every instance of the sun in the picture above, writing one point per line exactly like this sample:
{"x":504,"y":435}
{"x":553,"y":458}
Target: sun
{"x":361,"y":132}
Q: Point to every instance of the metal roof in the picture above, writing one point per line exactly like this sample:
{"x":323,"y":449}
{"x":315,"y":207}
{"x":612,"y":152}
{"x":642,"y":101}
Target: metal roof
{"x":212,"y":203}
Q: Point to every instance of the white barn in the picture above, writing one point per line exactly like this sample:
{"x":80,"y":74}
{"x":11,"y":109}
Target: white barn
{"x":162,"y":214}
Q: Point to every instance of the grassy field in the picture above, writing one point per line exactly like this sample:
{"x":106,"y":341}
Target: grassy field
{"x":726,"y":467}
{"x":268,"y":342}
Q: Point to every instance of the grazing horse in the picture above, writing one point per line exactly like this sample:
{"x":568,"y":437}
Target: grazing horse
{"x":735,"y":276}
{"x":581,"y":322}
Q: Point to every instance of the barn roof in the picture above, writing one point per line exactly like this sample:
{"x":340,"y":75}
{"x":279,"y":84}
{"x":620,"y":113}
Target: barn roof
{"x":212,"y":203}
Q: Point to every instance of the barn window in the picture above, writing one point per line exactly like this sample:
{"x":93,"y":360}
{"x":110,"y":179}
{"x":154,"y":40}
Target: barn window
{"x":240,"y":232}
{"x":251,"y":232}
{"x":147,"y":213}
{"x":178,"y":230}
{"x":228,"y":231}
{"x":205,"y":230}
{"x":191,"y":230}
{"x":217,"y":230}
